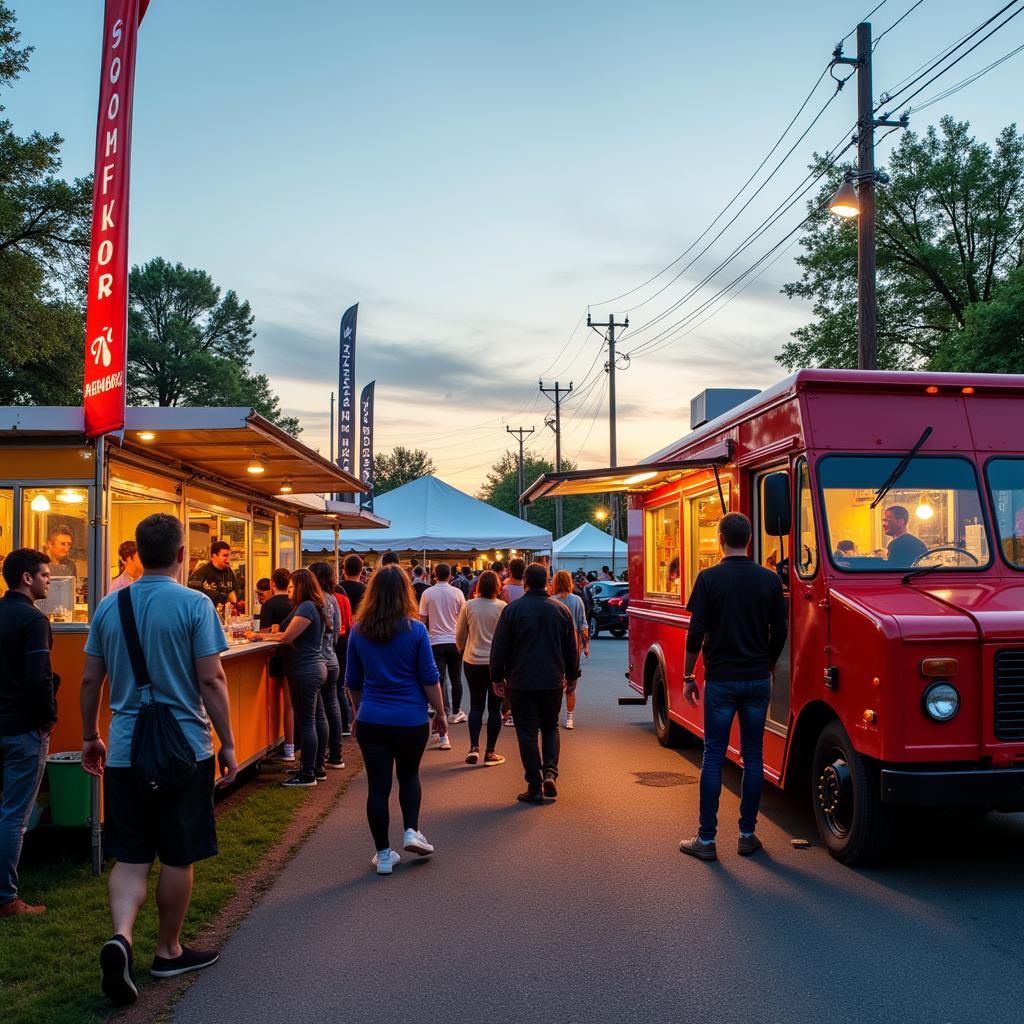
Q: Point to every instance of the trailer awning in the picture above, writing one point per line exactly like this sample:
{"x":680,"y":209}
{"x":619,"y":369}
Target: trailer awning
{"x":317,"y":514}
{"x":624,"y":478}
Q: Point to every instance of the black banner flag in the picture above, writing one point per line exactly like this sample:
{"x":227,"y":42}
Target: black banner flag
{"x":346,"y":393}
{"x":366,"y":442}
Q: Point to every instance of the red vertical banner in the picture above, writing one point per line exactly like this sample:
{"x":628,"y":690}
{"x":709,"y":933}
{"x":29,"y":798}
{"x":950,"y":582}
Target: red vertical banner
{"x":106,"y":315}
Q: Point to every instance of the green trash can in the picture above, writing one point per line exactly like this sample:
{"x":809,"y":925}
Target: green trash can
{"x":69,"y":788}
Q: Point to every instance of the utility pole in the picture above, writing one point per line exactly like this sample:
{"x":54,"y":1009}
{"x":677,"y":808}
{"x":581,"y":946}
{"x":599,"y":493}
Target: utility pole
{"x":613,"y":459}
{"x":522,"y":433}
{"x":866,"y":177}
{"x":559,"y":393}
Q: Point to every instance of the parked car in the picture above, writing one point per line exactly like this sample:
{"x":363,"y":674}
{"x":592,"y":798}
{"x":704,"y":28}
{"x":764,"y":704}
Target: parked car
{"x":611,"y":605}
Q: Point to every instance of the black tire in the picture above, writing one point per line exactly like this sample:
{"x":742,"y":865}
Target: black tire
{"x":594,"y":631}
{"x":617,"y":631}
{"x":853,"y":823}
{"x":668,"y":733}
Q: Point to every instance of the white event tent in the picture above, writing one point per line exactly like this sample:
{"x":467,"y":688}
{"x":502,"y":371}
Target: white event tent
{"x":429,"y":517}
{"x":588,"y":548}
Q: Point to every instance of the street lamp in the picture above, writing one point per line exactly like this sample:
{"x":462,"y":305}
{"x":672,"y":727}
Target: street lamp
{"x":845,"y":203}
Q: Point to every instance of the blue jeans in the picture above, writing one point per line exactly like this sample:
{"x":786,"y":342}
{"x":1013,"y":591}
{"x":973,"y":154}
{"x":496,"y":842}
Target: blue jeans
{"x":24,"y":758}
{"x":722,"y":701}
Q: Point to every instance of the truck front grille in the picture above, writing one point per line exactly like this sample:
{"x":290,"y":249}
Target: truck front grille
{"x":1009,"y":686}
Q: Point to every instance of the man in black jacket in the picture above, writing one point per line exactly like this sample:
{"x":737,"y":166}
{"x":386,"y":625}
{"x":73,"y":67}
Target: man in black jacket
{"x":28,"y":710}
{"x":534,"y":656}
{"x":738,"y":617}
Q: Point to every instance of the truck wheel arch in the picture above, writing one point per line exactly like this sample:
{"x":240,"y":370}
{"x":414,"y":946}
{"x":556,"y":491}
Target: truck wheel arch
{"x":655,"y":658}
{"x":814,"y":716}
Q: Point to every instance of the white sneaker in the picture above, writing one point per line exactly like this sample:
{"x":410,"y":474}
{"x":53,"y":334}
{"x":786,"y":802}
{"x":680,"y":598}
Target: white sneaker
{"x":443,"y":743}
{"x":569,"y":723}
{"x":385,"y":861}
{"x":458,"y":718}
{"x":416,"y":842}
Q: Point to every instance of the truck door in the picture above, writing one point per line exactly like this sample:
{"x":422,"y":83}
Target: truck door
{"x":773,"y":552}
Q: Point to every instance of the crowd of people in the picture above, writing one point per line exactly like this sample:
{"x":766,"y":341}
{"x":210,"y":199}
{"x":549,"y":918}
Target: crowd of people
{"x":379,"y":656}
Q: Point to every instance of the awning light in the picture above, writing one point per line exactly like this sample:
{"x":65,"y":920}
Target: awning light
{"x":286,"y":486}
{"x":257,"y":465}
{"x":639,"y":478}
{"x":147,"y":435}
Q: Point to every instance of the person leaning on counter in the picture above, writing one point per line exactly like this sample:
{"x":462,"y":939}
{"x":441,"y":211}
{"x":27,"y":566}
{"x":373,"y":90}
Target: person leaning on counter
{"x":216,"y":579}
{"x":131,"y":566}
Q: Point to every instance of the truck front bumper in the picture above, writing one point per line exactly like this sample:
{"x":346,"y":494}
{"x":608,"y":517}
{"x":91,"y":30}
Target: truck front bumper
{"x":997,"y":787}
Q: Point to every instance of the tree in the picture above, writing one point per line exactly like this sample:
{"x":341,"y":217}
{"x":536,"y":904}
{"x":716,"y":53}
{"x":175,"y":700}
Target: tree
{"x":44,"y":253}
{"x":399,"y":466}
{"x":992,"y":340}
{"x":950,"y":228}
{"x":187,"y":345}
{"x":501,"y":489}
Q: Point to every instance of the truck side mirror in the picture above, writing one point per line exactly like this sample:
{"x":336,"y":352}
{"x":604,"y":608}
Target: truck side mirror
{"x":777,"y":511}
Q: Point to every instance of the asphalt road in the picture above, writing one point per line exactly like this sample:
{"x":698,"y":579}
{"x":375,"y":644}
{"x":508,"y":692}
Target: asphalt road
{"x":585,"y":911}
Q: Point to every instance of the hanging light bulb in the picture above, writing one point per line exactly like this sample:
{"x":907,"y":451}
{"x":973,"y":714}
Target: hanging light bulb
{"x":286,"y":486}
{"x":40,"y":503}
{"x":256,"y":466}
{"x":924,"y":510}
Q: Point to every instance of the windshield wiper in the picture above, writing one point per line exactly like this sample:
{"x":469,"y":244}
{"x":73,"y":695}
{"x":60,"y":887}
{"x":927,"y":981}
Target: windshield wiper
{"x":901,"y":468}
{"x":921,"y":572}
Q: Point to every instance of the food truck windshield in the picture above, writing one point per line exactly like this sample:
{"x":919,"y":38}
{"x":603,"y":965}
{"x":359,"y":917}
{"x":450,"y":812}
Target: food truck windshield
{"x":931,"y":517}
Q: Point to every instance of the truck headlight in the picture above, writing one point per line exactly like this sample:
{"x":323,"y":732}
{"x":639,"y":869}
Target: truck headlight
{"x":941,"y":701}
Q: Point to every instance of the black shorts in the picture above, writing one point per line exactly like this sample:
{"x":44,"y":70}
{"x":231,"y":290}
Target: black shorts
{"x":179,"y":828}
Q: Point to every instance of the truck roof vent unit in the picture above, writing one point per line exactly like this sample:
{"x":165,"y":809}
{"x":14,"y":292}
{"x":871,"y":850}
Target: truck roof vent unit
{"x":713,"y":402}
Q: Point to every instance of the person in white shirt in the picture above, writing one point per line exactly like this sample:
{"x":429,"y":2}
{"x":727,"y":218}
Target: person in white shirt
{"x":131,"y":567}
{"x":439,"y":609}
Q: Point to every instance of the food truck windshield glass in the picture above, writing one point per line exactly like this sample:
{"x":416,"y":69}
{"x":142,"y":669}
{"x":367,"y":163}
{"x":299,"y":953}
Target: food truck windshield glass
{"x":1006,"y":482}
{"x":55,"y":520}
{"x":931,"y":517}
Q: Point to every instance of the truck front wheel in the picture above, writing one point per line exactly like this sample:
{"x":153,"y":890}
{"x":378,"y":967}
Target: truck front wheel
{"x":846,"y":793}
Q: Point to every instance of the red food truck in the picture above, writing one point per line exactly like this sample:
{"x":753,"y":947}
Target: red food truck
{"x":892,"y":507}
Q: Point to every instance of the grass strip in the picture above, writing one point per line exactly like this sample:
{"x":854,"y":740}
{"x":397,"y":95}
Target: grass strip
{"x":49,"y":971}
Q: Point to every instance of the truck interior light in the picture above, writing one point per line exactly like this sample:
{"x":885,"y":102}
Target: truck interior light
{"x":939,"y":668}
{"x":639,"y":478}
{"x":941,"y":701}
{"x":924,"y":511}
{"x":869,"y":716}
{"x":40,"y":503}
{"x":931,"y":390}
{"x":70,"y":497}
{"x":967,"y":391}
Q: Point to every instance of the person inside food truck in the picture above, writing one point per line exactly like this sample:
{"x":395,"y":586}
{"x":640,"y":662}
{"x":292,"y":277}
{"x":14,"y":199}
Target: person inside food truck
{"x":904,"y":548}
{"x":845,"y":550}
{"x":58,"y":550}
{"x":131,"y":566}
{"x":216,"y":578}
{"x":1014,"y":544}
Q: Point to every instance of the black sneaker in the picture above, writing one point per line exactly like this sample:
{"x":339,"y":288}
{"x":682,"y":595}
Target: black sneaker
{"x":320,"y":775}
{"x":531,"y":796}
{"x":118,"y":980}
{"x":549,"y":787}
{"x":299,"y":781}
{"x":190,"y":960}
{"x":335,"y":764}
{"x":748,"y":845}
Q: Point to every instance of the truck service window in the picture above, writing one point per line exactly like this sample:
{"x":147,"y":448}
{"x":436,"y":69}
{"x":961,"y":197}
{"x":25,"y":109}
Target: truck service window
{"x":931,"y":516}
{"x":1006,"y":483}
{"x":662,"y":551}
{"x":55,"y":520}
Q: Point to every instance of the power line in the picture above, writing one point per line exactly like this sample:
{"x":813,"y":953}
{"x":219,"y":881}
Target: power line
{"x":946,"y":93}
{"x":865,"y":18}
{"x":725,"y":208}
{"x":910,"y":10}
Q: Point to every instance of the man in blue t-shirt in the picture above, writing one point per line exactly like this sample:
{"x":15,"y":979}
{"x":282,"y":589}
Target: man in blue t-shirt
{"x":181,"y":639}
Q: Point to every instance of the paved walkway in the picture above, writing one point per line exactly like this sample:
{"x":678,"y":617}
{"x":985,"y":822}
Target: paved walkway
{"x":585,"y":911}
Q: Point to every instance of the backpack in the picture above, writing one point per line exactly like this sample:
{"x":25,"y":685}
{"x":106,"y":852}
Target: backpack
{"x":162,"y":759}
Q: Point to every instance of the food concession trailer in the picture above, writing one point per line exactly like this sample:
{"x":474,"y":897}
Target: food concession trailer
{"x":902,"y":682}
{"x":227,"y":473}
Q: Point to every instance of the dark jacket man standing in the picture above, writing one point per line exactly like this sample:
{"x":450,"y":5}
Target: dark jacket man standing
{"x":534,"y":655}
{"x":738,"y":618}
{"x":28,"y":710}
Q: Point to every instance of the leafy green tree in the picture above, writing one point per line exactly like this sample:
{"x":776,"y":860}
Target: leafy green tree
{"x":950,"y":228}
{"x":399,"y":466}
{"x":501,"y":489}
{"x":992,"y":340}
{"x":188,"y":345}
{"x":44,"y":252}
